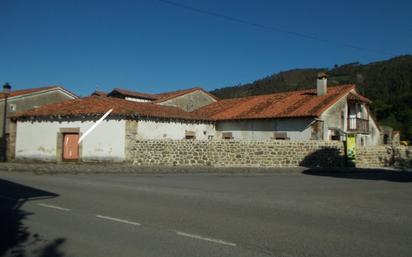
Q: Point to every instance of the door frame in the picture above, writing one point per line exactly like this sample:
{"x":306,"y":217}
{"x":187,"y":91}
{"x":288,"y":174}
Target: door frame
{"x":60,"y":144}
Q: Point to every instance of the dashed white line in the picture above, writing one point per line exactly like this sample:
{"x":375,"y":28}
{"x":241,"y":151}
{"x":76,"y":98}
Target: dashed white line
{"x":118,"y":220}
{"x":205,"y":238}
{"x":53,"y":207}
{"x":180,"y":233}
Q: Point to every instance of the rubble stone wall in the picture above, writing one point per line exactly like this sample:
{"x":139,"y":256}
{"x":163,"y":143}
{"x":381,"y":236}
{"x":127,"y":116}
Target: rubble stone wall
{"x":384,"y":156}
{"x":231,"y":153}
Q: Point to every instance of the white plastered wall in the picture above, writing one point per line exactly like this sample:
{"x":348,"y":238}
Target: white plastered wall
{"x":38,"y":140}
{"x":173,"y":129}
{"x":296,"y":129}
{"x":332,"y":119}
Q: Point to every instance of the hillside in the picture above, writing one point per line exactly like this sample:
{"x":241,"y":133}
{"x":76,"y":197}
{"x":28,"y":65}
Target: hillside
{"x":387,"y":83}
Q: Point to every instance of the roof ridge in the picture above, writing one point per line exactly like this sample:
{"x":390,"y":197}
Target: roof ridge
{"x":287,"y":92}
{"x":180,"y":90}
{"x":26,"y":91}
{"x":172,"y":94}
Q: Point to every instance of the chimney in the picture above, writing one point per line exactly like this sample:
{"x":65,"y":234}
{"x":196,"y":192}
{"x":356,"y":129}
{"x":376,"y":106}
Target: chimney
{"x":322,"y":84}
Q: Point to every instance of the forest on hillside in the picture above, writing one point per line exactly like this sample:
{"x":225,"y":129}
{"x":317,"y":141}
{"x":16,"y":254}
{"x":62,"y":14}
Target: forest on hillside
{"x":387,"y":83}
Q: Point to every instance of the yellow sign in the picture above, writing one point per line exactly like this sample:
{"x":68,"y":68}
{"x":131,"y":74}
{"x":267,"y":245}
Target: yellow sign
{"x":350,"y":146}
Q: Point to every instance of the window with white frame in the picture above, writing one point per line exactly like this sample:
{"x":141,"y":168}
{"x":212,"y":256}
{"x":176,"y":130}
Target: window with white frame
{"x":12,"y":107}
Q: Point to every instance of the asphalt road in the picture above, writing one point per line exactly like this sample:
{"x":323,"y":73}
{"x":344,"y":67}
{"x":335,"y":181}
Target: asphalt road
{"x":281,"y":214}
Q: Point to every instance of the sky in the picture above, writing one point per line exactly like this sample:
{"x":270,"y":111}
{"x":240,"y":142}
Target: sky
{"x":155,"y":46}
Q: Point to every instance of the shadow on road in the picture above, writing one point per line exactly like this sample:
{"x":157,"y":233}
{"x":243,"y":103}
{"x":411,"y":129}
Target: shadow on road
{"x":356,"y":173}
{"x":14,"y":235}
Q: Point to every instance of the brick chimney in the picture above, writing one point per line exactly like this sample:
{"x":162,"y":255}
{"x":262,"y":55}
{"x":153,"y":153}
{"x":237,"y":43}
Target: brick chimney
{"x":322,"y":84}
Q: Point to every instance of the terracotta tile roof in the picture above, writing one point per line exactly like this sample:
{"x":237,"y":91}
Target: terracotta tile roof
{"x":304,"y":103}
{"x":359,"y":98}
{"x":98,"y":105}
{"x":99,"y":93}
{"x":161,"y":97}
{"x":28,"y":91}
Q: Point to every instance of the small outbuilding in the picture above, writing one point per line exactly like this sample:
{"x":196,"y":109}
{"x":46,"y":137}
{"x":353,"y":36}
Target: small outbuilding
{"x":52,"y":132}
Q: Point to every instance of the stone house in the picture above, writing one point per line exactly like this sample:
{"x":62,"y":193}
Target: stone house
{"x":326,"y":113}
{"x":188,"y":100}
{"x":26,"y":99}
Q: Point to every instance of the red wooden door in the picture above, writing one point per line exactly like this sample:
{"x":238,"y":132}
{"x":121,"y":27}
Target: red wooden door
{"x":71,"y":147}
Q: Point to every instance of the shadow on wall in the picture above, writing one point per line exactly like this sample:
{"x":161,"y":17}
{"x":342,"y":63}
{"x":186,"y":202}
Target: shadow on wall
{"x":14,"y":235}
{"x":325,"y":157}
{"x":403,"y":159}
{"x":356,"y":173}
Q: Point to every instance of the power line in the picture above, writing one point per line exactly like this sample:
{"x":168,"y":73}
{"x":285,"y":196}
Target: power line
{"x":272,"y":28}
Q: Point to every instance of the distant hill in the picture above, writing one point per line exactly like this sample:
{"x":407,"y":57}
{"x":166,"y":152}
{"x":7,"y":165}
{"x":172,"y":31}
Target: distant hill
{"x":387,"y":83}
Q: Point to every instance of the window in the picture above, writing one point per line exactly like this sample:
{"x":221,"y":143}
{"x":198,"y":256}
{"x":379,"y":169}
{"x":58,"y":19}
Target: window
{"x":190,"y":135}
{"x":280,"y":136}
{"x":334,"y":135}
{"x":12,"y":107}
{"x":227,"y":135}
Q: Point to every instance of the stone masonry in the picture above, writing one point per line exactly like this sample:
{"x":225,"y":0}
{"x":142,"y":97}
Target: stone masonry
{"x":230,"y":153}
{"x":130,"y":136}
{"x":383,"y":156}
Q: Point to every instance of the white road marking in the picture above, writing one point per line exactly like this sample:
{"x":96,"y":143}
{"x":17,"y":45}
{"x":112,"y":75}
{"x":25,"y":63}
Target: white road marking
{"x":118,"y":220}
{"x":205,"y":238}
{"x":53,"y":207}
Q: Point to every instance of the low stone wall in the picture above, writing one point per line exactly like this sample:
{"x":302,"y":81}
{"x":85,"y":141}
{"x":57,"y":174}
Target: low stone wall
{"x":383,"y":156}
{"x":230,"y":153}
{"x":376,"y":156}
{"x":403,"y":156}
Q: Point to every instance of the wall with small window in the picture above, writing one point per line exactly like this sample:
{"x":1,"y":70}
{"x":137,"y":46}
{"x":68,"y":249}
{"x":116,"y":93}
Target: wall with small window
{"x":343,"y":115}
{"x":12,"y":107}
{"x":174,"y":129}
{"x":280,"y":129}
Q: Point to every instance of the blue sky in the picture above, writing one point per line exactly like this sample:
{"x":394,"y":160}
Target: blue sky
{"x":152,"y":46}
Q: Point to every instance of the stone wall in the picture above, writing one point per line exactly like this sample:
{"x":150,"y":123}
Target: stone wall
{"x":230,"y":153}
{"x":130,"y":136}
{"x":383,"y":156}
{"x":377,"y":156}
{"x":11,"y":141}
{"x":403,"y":156}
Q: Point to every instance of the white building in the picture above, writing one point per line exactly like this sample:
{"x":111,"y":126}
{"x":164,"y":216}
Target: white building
{"x":315,"y":114}
{"x":52,"y":132}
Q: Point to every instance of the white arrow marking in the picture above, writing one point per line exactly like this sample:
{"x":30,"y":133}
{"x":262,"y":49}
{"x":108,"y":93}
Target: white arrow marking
{"x":95,"y":125}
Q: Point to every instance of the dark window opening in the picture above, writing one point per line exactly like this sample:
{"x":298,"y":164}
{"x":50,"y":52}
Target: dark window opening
{"x":280,"y":136}
{"x":227,"y":135}
{"x":190,"y":135}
